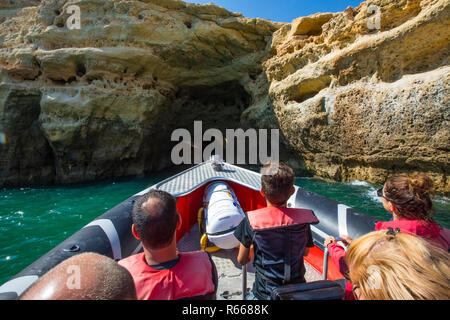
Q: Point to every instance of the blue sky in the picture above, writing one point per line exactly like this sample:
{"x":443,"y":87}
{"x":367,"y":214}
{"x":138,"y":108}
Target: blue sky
{"x":281,"y":10}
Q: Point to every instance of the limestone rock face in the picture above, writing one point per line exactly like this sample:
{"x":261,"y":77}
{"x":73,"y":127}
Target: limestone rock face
{"x":352,"y":99}
{"x":101,"y":101}
{"x":362,"y":103}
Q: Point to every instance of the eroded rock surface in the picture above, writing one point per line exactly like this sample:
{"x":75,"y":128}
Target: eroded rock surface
{"x":362,"y":103}
{"x":103,"y":100}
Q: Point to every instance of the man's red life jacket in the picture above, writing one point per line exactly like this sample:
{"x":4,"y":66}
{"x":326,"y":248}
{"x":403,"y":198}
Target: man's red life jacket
{"x":429,"y":231}
{"x":191,"y":277}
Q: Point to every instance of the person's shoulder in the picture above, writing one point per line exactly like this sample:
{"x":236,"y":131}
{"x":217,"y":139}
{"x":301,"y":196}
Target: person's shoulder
{"x":260,"y":210}
{"x":200,"y":258}
{"x":380,"y":225}
{"x":130,"y":260}
{"x":242,"y":224}
{"x":209,"y":257}
{"x":195,"y":254}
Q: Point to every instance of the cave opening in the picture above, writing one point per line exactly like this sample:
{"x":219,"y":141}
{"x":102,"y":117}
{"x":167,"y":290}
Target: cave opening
{"x":80,"y":69}
{"x":217,"y":107}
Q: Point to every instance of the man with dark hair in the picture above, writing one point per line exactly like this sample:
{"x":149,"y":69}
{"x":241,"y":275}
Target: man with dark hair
{"x":86,"y":276}
{"x":160,"y":272}
{"x":155,"y":219}
{"x":278,"y":236}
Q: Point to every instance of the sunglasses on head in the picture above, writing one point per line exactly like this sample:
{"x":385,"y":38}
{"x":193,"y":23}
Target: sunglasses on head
{"x":380,"y":194}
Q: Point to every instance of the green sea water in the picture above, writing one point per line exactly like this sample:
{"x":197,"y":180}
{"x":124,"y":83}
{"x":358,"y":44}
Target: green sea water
{"x":35,"y":220}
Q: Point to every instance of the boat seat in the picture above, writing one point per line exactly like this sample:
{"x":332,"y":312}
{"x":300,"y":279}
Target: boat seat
{"x":316,"y":290}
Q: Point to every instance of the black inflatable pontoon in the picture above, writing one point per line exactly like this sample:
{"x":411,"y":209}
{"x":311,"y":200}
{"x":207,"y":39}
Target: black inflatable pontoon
{"x":110,"y":234}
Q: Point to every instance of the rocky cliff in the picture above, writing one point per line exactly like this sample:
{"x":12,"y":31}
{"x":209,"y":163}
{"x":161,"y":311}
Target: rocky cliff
{"x":102,"y":100}
{"x":351,"y":101}
{"x":358,"y":102}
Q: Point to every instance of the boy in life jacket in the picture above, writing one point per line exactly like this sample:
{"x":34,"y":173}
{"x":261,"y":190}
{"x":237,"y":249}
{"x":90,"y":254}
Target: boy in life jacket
{"x":408,"y":199}
{"x":160,"y":272}
{"x":278,"y":236}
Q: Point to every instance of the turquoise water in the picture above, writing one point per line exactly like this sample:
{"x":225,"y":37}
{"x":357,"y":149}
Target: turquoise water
{"x":363,"y":197}
{"x":35,"y":220}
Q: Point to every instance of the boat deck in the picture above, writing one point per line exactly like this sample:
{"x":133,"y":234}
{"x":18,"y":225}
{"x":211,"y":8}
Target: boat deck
{"x":228,"y":269}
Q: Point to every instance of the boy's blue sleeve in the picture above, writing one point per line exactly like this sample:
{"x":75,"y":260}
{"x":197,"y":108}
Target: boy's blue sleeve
{"x":244,"y":233}
{"x":310,"y":242}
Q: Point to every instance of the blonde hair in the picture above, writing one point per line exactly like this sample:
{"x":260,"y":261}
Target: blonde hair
{"x":398,"y":266}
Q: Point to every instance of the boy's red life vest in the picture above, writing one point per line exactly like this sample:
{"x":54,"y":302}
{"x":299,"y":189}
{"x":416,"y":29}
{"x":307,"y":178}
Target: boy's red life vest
{"x":276,"y":217}
{"x":281,"y":236}
{"x":430,"y":231}
{"x":190,"y":277}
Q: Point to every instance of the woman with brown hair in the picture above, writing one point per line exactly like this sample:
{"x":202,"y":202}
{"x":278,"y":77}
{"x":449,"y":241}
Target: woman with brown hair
{"x":408,"y":199}
{"x":398,"y":266}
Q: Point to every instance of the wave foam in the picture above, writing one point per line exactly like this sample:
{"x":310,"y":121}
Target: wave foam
{"x":361,"y":183}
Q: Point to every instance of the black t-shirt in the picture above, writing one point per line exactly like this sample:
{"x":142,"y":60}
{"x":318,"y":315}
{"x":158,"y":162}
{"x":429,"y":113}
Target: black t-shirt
{"x":165,"y":265}
{"x":246,"y":235}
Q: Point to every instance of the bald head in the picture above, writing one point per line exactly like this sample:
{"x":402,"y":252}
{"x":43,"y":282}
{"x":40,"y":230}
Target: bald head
{"x":87,"y":276}
{"x":155,"y":218}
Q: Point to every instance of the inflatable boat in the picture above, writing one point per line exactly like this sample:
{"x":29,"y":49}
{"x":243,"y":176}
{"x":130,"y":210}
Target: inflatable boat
{"x":110,"y":234}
